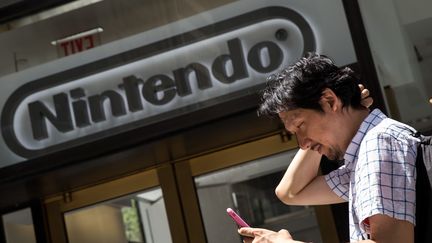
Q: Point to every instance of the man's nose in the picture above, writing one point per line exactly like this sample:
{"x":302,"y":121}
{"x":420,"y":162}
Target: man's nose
{"x":304,"y":142}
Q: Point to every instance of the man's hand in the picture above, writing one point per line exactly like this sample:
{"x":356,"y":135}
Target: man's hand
{"x":257,"y":235}
{"x":366,"y":100}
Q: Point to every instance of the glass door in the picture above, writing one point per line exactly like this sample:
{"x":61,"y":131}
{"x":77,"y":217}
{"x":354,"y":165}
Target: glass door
{"x":18,"y":226}
{"x":136,"y":208}
{"x":138,"y":217}
{"x":244,"y":178}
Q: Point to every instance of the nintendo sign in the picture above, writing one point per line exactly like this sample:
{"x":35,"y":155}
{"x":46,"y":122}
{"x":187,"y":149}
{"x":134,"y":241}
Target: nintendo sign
{"x":158,"y":81}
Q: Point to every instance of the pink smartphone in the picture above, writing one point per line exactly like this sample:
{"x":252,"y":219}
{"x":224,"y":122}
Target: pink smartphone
{"x":240,"y":222}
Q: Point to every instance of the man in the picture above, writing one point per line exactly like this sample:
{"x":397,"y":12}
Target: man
{"x":320,"y":103}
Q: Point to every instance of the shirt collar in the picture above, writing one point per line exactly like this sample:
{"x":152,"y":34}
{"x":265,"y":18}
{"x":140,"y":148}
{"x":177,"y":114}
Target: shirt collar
{"x":375,"y":117}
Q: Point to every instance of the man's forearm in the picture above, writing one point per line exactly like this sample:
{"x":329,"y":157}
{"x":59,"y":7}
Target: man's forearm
{"x":302,"y":170}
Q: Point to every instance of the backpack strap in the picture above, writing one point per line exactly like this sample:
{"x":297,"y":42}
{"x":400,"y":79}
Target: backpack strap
{"x":426,"y":145}
{"x":423,"y":228}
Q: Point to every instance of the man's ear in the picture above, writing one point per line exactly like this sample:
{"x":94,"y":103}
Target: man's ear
{"x":329,"y":100}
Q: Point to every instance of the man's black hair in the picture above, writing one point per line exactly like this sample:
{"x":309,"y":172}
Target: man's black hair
{"x":301,"y":86}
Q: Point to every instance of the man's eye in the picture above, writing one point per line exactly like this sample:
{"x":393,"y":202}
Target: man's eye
{"x":299,"y":126}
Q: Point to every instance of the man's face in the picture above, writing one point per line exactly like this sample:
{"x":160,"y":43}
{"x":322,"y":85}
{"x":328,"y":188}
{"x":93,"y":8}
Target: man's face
{"x":319,"y":131}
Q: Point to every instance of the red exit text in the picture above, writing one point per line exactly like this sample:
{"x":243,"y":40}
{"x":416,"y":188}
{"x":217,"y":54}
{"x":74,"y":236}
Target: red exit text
{"x":77,"y":45}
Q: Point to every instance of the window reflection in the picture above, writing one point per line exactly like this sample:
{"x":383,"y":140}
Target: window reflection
{"x":18,"y":227}
{"x":249,"y":190}
{"x":136,"y":218}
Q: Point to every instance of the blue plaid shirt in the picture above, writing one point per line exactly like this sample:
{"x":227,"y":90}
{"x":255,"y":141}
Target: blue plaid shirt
{"x":378,"y":175}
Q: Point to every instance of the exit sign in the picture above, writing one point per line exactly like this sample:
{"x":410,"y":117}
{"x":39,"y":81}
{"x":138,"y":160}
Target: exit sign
{"x":78,"y":42}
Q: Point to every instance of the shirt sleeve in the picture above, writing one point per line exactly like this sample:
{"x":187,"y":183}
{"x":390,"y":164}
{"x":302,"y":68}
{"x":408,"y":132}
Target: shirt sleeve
{"x":385,"y":178}
{"x":338,"y":180}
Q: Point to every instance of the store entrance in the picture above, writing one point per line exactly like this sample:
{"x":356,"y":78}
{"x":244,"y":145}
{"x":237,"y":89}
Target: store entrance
{"x":186,"y":200}
{"x":135,"y":208}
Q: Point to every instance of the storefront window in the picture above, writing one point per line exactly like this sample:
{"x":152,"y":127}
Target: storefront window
{"x":401,"y":43}
{"x":18,"y":227}
{"x":249,"y":190}
{"x":134,"y":218}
